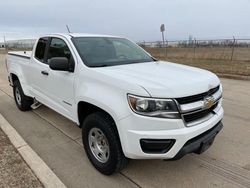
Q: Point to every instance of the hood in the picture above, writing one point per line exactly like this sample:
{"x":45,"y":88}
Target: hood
{"x":164,"y":79}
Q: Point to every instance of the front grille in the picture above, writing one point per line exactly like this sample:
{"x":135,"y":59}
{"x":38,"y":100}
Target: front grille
{"x":194,"y":98}
{"x":198,"y":115}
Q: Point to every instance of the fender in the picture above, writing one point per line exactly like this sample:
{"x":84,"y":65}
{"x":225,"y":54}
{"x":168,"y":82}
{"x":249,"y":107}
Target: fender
{"x":104,"y":92}
{"x":17,"y":69}
{"x":109,"y":98}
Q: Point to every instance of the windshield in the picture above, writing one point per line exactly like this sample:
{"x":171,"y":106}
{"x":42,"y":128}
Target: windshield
{"x":109,"y":51}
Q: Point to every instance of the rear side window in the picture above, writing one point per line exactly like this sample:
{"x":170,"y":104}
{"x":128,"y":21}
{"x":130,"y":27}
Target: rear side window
{"x":40,"y":49}
{"x":58,"y":48}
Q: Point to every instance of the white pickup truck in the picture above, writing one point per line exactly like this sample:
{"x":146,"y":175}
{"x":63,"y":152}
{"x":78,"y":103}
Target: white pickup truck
{"x":128,"y":104}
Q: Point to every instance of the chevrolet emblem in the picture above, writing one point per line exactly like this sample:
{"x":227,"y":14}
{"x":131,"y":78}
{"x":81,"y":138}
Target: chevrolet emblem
{"x":208,"y":102}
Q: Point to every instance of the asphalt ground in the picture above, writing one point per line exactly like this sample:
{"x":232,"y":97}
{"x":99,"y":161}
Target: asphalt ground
{"x":58,"y":142}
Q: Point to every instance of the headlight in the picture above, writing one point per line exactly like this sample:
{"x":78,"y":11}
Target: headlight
{"x":221,"y":88}
{"x":164,"y":108}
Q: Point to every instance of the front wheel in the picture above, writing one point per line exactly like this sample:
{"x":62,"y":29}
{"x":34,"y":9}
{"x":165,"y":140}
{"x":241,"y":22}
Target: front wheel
{"x":102,"y":144}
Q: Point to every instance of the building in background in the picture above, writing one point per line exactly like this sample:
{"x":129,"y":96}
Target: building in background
{"x":2,"y":45}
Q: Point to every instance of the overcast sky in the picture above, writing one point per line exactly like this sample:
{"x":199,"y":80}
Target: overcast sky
{"x":136,"y":19}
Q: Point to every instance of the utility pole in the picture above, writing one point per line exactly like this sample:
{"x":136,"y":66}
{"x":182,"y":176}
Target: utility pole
{"x":5,"y":45}
{"x":194,"y":45}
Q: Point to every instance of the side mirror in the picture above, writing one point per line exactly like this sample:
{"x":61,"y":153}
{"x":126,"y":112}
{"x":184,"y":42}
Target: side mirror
{"x":59,"y":64}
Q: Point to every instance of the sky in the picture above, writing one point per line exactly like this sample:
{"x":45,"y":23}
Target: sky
{"x":138,"y":20}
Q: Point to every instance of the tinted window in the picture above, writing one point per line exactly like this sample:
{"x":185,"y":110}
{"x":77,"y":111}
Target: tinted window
{"x":108,"y":51}
{"x":40,"y":49}
{"x":124,"y":50}
{"x":58,"y":48}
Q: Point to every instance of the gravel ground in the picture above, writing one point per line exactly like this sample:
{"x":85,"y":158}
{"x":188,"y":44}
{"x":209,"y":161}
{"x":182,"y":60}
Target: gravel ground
{"x":14,"y":172}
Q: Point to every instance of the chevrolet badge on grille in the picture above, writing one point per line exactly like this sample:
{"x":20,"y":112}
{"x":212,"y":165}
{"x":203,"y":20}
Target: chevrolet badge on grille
{"x":208,"y":102}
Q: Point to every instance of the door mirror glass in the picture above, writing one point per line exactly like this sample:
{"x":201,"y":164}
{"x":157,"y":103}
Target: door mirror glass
{"x":59,"y":64}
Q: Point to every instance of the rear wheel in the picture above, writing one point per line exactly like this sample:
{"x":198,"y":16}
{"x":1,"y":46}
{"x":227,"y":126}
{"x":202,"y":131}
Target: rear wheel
{"x":102,"y":144}
{"x":23,"y":102}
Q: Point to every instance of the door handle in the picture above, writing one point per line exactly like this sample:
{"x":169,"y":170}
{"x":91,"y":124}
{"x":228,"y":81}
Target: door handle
{"x":45,"y":73}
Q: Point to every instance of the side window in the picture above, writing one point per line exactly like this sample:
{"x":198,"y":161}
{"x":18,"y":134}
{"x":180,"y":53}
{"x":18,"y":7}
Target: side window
{"x":58,"y":48}
{"x":40,"y":49}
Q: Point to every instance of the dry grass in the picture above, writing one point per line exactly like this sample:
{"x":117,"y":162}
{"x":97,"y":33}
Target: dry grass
{"x":218,"y":53}
{"x":214,"y":59}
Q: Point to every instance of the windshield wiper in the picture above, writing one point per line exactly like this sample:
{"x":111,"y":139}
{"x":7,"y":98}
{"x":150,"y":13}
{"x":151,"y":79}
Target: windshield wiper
{"x":99,"y":65}
{"x":154,"y":59}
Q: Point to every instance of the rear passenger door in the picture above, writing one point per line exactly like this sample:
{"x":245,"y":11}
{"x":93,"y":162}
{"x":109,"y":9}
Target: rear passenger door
{"x":37,"y":68}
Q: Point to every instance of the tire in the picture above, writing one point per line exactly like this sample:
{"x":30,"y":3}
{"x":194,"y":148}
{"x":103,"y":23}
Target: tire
{"x":115,"y":160}
{"x":23,"y":102}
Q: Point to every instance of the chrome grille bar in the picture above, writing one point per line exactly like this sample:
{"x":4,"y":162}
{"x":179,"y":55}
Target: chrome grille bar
{"x":198,"y":105}
{"x":200,"y":111}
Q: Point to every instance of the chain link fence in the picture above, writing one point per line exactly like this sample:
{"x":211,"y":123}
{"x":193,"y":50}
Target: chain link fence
{"x":219,"y":49}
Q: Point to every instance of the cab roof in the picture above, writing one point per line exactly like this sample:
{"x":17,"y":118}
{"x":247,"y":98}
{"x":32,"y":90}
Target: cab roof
{"x":82,"y":35}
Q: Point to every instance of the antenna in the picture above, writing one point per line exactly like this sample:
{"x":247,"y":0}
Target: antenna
{"x":68,"y":28}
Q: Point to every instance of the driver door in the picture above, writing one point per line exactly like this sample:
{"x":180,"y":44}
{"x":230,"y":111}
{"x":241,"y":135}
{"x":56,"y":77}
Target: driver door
{"x":60,"y":84}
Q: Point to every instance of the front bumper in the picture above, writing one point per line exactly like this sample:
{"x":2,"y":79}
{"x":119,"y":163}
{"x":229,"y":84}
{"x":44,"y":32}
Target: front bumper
{"x":135,"y":128}
{"x":200,"y":143}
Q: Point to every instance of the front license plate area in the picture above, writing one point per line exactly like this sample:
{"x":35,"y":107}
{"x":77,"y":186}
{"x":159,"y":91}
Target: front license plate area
{"x":205,"y":145}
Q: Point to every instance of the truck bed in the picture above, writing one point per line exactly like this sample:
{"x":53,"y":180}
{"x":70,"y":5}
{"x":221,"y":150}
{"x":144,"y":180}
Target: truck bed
{"x":24,"y":54}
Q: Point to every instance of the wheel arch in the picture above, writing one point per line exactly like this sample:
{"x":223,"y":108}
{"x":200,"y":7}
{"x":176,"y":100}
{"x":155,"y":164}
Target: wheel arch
{"x":13,"y":78}
{"x":85,"y":108}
